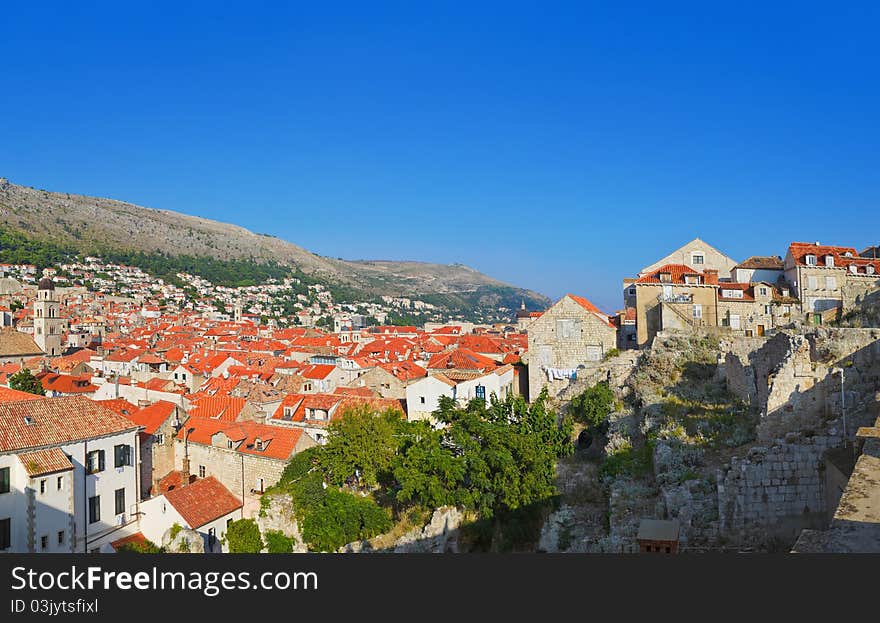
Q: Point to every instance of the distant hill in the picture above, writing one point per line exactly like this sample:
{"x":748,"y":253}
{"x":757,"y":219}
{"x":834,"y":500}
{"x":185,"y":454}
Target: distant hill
{"x":83,"y":224}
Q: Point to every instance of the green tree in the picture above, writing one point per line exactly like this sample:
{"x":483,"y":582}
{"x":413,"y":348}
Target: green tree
{"x":278,"y":543}
{"x":25,"y":381}
{"x":343,"y":518}
{"x":428,"y":472}
{"x":362,"y":444}
{"x":593,"y":406}
{"x":243,"y":537}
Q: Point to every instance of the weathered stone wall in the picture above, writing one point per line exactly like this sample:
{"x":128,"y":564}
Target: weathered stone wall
{"x":228,"y":467}
{"x":857,"y":287}
{"x":776,"y":490}
{"x":548,"y":349}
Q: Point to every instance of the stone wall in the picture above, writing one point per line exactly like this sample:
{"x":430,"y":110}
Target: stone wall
{"x":776,"y":490}
{"x":549,"y":349}
{"x":228,"y":466}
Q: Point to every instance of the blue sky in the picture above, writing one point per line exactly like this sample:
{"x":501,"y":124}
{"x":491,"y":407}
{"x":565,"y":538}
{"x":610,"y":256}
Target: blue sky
{"x":557,"y":146}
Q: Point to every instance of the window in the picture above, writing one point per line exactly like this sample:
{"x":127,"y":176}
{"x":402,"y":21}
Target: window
{"x":59,"y":485}
{"x":869,"y":269}
{"x":812,"y":283}
{"x":95,"y":461}
{"x":95,"y":509}
{"x":762,"y":291}
{"x":258,"y":444}
{"x":481,"y":392}
{"x":61,"y":537}
{"x":698,"y":311}
{"x":421,"y":400}
{"x":697,"y":258}
{"x":734,"y":321}
{"x":120,"y":501}
{"x":5,"y":533}
{"x":632,"y":291}
{"x":42,"y":486}
{"x":565,"y":329}
{"x":732,"y":294}
{"x":160,"y":439}
{"x":44,"y":541}
{"x":830,"y":283}
{"x":666,"y":277}
{"x":201,"y":471}
{"x":4,"y":480}
{"x":767,"y":310}
{"x":121,"y":455}
{"x":810,"y":260}
{"x":829,"y":260}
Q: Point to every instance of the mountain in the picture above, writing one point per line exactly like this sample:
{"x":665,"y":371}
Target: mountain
{"x":85,"y":224}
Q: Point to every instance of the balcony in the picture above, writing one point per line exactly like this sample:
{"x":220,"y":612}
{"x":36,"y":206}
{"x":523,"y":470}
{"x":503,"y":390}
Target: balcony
{"x":675,"y":298}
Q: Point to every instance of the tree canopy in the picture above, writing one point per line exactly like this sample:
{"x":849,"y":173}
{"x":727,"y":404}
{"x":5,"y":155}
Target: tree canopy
{"x":25,"y":381}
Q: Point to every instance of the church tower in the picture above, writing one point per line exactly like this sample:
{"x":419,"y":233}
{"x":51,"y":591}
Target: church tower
{"x":47,"y":324}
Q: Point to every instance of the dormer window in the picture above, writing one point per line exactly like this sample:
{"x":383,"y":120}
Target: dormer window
{"x":869,"y":269}
{"x":666,"y":277}
{"x":829,"y":260}
{"x":853,"y":269}
{"x":847,"y":254}
{"x":258,"y":444}
{"x":693,"y":280}
{"x":810,"y":260}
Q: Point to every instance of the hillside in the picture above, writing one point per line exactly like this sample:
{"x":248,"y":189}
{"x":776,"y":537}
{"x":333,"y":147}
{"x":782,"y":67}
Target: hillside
{"x":85,"y":224}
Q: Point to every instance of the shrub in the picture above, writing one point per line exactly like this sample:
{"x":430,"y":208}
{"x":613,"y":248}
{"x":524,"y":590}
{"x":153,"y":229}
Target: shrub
{"x":593,"y":406}
{"x":278,"y":543}
{"x":243,"y":537}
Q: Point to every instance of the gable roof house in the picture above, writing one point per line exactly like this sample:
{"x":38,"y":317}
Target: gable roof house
{"x":68,"y":474}
{"x":571,"y":333}
{"x":825,"y":277}
{"x":674,"y":296}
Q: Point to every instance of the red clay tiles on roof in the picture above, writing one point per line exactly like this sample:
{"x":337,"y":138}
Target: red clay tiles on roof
{"x":42,"y":462}
{"x":282,"y":446}
{"x":12,"y":395}
{"x":461,"y":359}
{"x":226,"y":408}
{"x":202,"y":501}
{"x":153,"y":416}
{"x":55,"y":421}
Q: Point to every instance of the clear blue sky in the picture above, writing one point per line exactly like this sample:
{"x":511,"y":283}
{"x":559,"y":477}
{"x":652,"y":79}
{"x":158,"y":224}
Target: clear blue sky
{"x":555,"y":146}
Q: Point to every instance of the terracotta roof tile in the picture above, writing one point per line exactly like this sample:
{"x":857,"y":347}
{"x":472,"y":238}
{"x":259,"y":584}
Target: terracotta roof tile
{"x":202,"y":501}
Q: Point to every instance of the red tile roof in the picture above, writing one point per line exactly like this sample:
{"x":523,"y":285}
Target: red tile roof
{"x":153,"y":416}
{"x":283,"y":440}
{"x":11,"y":395}
{"x":461,"y":359}
{"x":56,"y":421}
{"x":226,"y":408}
{"x":203,"y":501}
{"x":48,"y":461}
{"x":66,"y":383}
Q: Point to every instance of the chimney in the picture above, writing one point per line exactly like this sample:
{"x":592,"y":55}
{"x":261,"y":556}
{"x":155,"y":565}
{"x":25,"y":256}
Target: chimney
{"x":260,"y":417}
{"x":711,"y":276}
{"x":184,"y":472}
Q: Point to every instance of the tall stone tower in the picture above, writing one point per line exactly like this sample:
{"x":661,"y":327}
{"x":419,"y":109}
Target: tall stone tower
{"x":47,"y":324}
{"x":237,"y":311}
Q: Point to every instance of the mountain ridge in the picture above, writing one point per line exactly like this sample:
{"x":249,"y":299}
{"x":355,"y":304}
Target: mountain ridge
{"x":89,"y":224}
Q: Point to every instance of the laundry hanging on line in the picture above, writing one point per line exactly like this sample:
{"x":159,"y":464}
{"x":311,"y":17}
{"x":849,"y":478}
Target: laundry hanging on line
{"x":561,"y":373}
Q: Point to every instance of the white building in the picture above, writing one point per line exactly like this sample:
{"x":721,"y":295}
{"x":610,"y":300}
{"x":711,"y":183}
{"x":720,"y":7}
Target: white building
{"x":68,"y":475}
{"x":204,"y":505}
{"x":423,"y":395}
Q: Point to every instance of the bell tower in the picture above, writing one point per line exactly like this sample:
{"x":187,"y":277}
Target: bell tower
{"x":47,"y":324}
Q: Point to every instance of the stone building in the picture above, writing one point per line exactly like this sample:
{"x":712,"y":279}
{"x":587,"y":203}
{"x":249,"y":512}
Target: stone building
{"x":247,"y":457}
{"x":752,"y":309}
{"x":825,"y":277}
{"x":674,"y":296}
{"x":698,"y":254}
{"x":759,"y":268}
{"x":569,"y":334}
{"x":48,"y":326}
